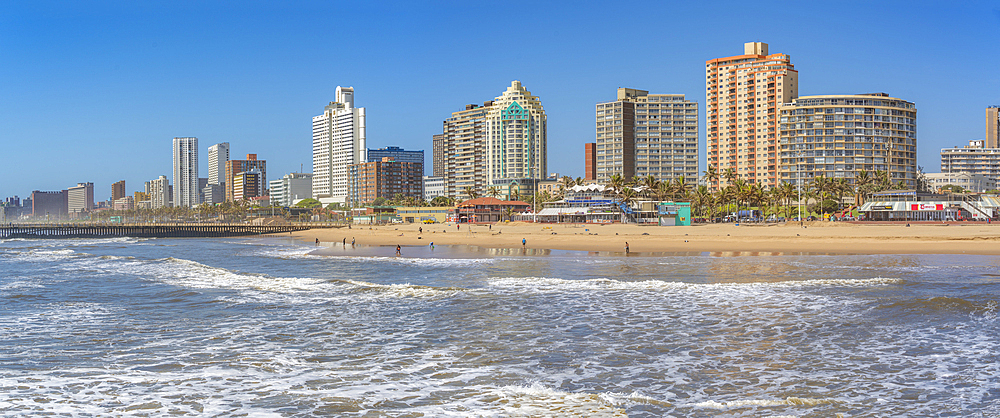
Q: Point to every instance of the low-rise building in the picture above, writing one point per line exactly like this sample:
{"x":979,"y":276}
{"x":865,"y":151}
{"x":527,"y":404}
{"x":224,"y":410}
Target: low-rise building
{"x":291,"y":188}
{"x":487,"y":209}
{"x":423,"y":214}
{"x":976,"y":183}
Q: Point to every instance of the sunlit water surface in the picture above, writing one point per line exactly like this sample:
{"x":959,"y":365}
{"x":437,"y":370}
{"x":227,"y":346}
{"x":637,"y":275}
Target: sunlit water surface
{"x":262,"y":327}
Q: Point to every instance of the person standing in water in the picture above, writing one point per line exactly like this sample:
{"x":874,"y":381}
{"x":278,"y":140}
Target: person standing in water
{"x":398,"y":250}
{"x":524,"y":242}
{"x":432,"y":245}
{"x":626,"y":247}
{"x":352,"y":241}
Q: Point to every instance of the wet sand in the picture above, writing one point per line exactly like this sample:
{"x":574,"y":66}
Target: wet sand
{"x":723,"y":239}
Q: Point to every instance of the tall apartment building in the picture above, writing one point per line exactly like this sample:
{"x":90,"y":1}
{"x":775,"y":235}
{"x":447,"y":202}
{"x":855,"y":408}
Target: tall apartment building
{"x":235,"y":167}
{"x":158,"y":191}
{"x":438,"y":154}
{"x":642,"y":134}
{"x":291,"y":188}
{"x":80,"y":199}
{"x":338,"y":143}
{"x":992,"y":127}
{"x":117,"y":190}
{"x":975,"y":158}
{"x":49,"y":205}
{"x":186,"y":191}
{"x":837,"y":136}
{"x":743,"y":94}
{"x":462,"y":150}
{"x":386,"y":178}
{"x":397,"y":154}
{"x":516,"y":138}
{"x":218,"y":156}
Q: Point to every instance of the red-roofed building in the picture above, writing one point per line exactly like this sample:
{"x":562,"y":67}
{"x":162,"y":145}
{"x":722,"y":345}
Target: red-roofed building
{"x":486,"y":209}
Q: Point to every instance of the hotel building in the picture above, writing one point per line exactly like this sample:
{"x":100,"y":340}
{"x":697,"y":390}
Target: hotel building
{"x":338,"y":143}
{"x":837,"y":136}
{"x":117,"y":190}
{"x":80,"y":199}
{"x":158,"y":191}
{"x":992,"y":127}
{"x":515,"y":138}
{"x":643,"y":134}
{"x":397,"y":154}
{"x":743,"y":94}
{"x":186,"y":191}
{"x":248,"y":184}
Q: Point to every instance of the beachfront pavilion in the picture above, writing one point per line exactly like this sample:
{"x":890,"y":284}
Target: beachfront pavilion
{"x":911,"y":205}
{"x":486,"y":209}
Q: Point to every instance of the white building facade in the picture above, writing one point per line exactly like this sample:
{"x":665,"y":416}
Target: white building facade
{"x":291,"y":188}
{"x":186,"y":192}
{"x":516,"y":138}
{"x":338,"y":143}
{"x":218,"y":155}
{"x":158,"y":192}
{"x":80,"y":199}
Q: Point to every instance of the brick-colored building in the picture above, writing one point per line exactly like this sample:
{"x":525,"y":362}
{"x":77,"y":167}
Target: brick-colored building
{"x":590,"y":161}
{"x":386,"y":178}
{"x":235,"y":167}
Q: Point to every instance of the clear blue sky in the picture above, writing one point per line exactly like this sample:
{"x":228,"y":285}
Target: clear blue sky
{"x":95,"y":91}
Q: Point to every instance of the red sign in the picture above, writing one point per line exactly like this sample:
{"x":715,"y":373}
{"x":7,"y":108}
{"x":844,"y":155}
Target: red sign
{"x":926,"y":206}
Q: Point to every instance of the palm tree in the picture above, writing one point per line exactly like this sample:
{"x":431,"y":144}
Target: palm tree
{"x":650,"y":183}
{"x":493,"y":191}
{"x":627,"y":197}
{"x":730,"y":175}
{"x":712,"y":176}
{"x":862,"y":185}
{"x":664,"y":190}
{"x":702,"y":198}
{"x":471,"y":192}
{"x":616,"y":183}
{"x":681,"y":188}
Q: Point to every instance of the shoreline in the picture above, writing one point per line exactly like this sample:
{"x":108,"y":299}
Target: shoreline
{"x":727,"y":239}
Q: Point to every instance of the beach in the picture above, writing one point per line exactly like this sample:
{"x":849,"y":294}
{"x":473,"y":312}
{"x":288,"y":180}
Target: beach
{"x":725,"y":239}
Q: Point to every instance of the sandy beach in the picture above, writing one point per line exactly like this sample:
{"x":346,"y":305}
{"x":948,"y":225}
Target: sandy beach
{"x":721,"y":239}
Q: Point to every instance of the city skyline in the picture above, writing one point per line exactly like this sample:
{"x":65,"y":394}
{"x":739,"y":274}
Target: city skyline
{"x":119,"y":76}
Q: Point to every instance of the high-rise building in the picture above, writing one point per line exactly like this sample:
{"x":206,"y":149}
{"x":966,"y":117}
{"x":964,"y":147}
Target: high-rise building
{"x":837,"y":136}
{"x":218,"y":156}
{"x":590,"y":161}
{"x":235,"y":167}
{"x":743,"y":93}
{"x":158,"y":191}
{"x":248,"y":184}
{"x":386,"y":178}
{"x":460,"y":153}
{"x":974,"y":158}
{"x":117,"y":190}
{"x":186,"y":191}
{"x":397,"y":154}
{"x":291,"y":188}
{"x":993,"y":127}
{"x":338,"y":143}
{"x":516,"y":138}
{"x":643,"y":134}
{"x":80,"y":199}
{"x":49,"y":205}
{"x":438,"y":154}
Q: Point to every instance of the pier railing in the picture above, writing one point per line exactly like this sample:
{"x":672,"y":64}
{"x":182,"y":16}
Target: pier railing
{"x":151,"y":230}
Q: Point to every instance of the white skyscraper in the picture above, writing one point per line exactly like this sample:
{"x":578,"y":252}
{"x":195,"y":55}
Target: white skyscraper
{"x":515,"y":137}
{"x":338,"y":142}
{"x":186,"y":172}
{"x":218,"y":155}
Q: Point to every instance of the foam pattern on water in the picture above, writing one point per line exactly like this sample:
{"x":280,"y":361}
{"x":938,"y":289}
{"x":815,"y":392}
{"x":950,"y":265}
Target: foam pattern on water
{"x":111,"y":332}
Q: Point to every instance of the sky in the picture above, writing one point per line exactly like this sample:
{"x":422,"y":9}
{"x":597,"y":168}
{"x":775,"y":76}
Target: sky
{"x":95,"y":91}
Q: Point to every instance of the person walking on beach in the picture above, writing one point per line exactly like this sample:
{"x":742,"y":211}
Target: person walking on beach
{"x":626,"y":247}
{"x":524,"y":242}
{"x":345,"y":242}
{"x":352,"y":241}
{"x":420,"y":230}
{"x":317,"y":241}
{"x":398,"y":250}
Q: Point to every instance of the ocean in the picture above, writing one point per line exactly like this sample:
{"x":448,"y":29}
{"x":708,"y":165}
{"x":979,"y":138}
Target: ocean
{"x":273,"y":327}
